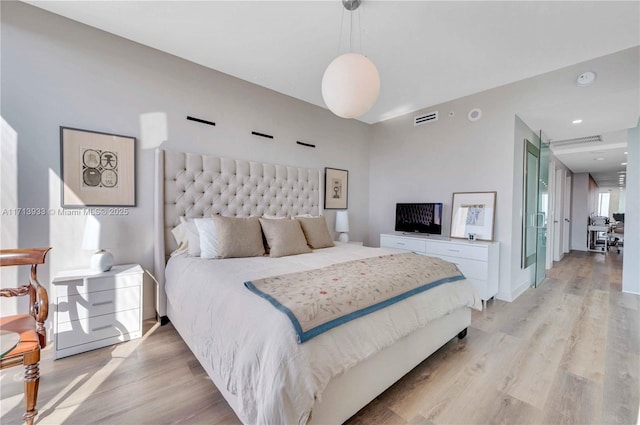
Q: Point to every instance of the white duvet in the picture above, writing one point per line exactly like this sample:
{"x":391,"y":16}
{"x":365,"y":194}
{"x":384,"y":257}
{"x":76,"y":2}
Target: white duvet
{"x":251,"y":347}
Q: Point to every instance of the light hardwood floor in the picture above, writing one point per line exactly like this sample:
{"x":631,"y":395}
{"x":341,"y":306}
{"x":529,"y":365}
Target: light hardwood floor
{"x":565,"y":353}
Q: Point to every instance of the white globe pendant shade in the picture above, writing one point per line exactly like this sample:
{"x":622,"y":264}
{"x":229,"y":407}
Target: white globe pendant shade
{"x":350,"y":85}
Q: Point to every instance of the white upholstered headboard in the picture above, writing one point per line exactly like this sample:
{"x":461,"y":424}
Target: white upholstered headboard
{"x":195,"y":185}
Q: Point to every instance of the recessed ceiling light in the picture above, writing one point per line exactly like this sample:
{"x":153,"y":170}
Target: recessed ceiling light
{"x":625,"y":153}
{"x":586,"y":79}
{"x":621,"y":172}
{"x":576,"y":121}
{"x":598,"y":159}
{"x":623,"y":163}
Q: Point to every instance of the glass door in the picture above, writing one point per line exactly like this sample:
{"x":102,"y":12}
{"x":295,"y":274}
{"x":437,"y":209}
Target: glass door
{"x":535,"y":208}
{"x":530,"y":204}
{"x":542,"y":213}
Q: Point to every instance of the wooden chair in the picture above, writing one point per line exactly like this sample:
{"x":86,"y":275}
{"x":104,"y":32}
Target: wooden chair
{"x":30,"y":327}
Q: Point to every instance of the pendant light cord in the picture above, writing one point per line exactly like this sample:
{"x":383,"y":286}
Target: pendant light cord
{"x":341,"y":28}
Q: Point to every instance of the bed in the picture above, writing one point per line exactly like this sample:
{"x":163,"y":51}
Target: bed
{"x":248,"y":348}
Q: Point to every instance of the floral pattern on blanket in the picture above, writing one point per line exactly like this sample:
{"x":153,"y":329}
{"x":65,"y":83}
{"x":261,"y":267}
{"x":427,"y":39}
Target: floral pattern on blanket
{"x":320,"y":299}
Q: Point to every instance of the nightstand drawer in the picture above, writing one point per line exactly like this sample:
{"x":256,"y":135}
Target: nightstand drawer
{"x":97,"y":303}
{"x":470,"y":268}
{"x":407,"y":244}
{"x":477,"y":252}
{"x":91,"y":329}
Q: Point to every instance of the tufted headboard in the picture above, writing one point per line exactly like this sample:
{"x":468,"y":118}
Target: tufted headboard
{"x":195,"y":185}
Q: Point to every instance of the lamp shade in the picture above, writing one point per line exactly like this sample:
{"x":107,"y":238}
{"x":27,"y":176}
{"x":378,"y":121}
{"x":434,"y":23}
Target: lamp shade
{"x":342,"y":221}
{"x":100,"y":232}
{"x":350,"y":85}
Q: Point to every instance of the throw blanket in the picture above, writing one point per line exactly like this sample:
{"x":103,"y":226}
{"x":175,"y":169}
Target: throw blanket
{"x":321,"y":299}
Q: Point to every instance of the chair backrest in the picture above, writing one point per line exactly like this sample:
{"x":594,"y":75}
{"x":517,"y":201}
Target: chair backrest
{"x":38,"y":297}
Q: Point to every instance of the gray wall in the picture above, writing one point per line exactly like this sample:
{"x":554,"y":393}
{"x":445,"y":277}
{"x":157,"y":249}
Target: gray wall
{"x":56,"y":72}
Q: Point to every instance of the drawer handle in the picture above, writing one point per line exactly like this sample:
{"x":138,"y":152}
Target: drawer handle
{"x":102,"y":303}
{"x":100,"y":328}
{"x":454,"y":250}
{"x":399,"y":243}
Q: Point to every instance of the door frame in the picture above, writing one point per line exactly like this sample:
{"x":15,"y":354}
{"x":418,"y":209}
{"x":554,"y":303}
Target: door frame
{"x":566,"y":234}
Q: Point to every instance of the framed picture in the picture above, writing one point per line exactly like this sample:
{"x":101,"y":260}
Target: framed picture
{"x":97,"y":169}
{"x":336,"y":189}
{"x":473,"y":215}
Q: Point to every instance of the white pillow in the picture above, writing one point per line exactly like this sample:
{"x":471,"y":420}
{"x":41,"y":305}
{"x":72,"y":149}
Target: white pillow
{"x":208,"y":237}
{"x":193,"y":237}
{"x":179,"y":233}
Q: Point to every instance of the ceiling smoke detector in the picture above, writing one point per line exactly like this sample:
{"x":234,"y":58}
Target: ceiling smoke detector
{"x":586,"y":79}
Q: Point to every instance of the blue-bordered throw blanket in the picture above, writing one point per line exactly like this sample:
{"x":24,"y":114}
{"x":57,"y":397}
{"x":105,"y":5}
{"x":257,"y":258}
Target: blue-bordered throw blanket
{"x":321,"y":299}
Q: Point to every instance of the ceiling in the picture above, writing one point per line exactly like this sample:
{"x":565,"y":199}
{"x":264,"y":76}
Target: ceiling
{"x":427,"y":52}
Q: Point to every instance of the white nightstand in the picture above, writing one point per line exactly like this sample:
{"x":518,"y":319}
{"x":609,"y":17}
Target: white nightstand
{"x":95,"y":309}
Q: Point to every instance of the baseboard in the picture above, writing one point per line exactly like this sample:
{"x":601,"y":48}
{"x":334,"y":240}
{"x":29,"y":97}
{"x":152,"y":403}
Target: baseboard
{"x":511,"y":296}
{"x":520,"y":289}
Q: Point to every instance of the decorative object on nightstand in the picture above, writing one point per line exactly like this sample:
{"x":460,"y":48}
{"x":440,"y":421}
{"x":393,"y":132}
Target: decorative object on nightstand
{"x":95,"y":309}
{"x":342,"y":225}
{"x":23,"y":336}
{"x":100,"y":232}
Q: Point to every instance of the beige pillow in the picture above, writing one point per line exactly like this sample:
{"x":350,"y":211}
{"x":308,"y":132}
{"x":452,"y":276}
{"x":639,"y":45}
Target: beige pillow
{"x":238,"y":237}
{"x":316,"y":231}
{"x":284,"y":237}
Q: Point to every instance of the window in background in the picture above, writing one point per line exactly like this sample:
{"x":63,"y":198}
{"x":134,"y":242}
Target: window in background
{"x":603,"y":204}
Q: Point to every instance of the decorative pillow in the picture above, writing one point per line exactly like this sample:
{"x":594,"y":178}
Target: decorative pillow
{"x":316,"y":231}
{"x":238,"y":237}
{"x":179,"y":234}
{"x":284,"y":237}
{"x":208,"y":237}
{"x":193,"y":237}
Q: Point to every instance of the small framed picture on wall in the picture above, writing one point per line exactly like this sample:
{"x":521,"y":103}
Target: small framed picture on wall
{"x":336,"y":189}
{"x":97,"y":169}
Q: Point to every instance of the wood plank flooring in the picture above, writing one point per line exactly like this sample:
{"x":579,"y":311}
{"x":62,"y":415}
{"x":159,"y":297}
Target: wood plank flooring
{"x":565,"y":353}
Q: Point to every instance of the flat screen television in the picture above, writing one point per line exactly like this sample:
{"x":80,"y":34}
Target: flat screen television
{"x":419,"y":217}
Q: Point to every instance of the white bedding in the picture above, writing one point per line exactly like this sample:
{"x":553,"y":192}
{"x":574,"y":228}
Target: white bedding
{"x":252,"y":346}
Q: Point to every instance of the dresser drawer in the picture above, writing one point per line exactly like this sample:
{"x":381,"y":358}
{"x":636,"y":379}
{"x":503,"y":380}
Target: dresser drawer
{"x":407,"y":244}
{"x":91,"y":329}
{"x":472,"y":252}
{"x":470,"y":268}
{"x":97,"y":303}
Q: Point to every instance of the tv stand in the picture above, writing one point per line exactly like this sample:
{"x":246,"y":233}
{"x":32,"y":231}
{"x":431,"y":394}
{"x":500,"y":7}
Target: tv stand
{"x":477,"y":260}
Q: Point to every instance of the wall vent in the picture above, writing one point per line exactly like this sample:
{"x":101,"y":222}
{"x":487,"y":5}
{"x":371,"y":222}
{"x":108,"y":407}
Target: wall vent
{"x":576,"y":141}
{"x":425,"y":118}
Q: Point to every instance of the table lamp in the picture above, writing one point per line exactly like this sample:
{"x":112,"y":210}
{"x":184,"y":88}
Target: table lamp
{"x":342,"y":225}
{"x":100,"y":232}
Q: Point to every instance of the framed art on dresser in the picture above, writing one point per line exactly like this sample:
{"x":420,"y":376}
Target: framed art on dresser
{"x":336,"y":189}
{"x":473,"y":215}
{"x":97,"y":169}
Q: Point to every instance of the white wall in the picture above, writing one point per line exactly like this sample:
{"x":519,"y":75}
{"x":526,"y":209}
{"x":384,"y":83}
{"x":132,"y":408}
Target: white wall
{"x":56,"y":72}
{"x":631,"y":263}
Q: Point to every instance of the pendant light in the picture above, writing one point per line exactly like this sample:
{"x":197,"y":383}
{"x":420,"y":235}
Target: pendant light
{"x":351,"y":83}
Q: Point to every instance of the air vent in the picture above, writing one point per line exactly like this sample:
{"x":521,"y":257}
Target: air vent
{"x":576,"y":141}
{"x":426,"y":118}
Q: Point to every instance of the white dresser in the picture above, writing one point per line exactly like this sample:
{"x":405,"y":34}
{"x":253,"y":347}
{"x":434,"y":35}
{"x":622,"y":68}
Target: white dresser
{"x":479,"y":261}
{"x":96,"y":309}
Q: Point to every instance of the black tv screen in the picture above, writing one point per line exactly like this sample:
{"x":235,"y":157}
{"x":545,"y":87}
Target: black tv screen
{"x":421,"y":218}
